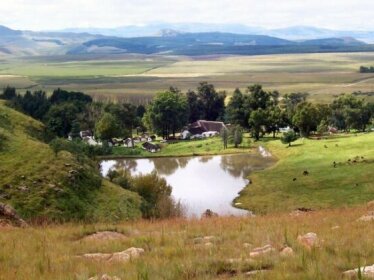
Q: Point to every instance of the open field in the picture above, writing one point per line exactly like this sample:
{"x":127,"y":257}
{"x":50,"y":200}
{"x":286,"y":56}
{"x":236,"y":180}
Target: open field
{"x":139,"y":77}
{"x":283,"y":187}
{"x":50,"y":252}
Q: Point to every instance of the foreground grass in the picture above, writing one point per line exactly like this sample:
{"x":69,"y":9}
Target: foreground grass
{"x":210,"y":146}
{"x":284,"y":187}
{"x":170,"y":253}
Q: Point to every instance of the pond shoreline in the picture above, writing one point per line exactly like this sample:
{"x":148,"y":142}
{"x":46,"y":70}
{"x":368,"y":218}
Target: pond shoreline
{"x":244,"y":168}
{"x":156,"y":155}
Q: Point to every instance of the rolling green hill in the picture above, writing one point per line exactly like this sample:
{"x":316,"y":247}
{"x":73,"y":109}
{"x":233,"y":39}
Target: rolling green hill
{"x":40,"y":185}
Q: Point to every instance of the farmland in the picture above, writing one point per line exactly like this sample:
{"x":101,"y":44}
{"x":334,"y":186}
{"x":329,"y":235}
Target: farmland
{"x":137,"y":77}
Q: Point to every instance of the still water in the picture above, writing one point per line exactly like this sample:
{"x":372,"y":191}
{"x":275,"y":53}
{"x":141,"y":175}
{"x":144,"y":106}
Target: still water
{"x":199,"y":183}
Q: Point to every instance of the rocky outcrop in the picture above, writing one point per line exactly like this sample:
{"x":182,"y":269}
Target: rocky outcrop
{"x":287,"y":252}
{"x":366,"y":271}
{"x":9,"y":216}
{"x":308,"y":240}
{"x":104,"y":277}
{"x":124,"y":256}
{"x":261,"y":251}
{"x":104,"y":236}
{"x":369,"y":217}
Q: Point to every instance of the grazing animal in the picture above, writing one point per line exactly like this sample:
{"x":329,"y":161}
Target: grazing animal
{"x":305,"y":173}
{"x":326,"y":146}
{"x":334,"y":163}
{"x":294,"y":179}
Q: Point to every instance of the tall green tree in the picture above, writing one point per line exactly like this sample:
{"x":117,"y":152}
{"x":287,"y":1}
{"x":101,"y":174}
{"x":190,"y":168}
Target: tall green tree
{"x":60,"y":118}
{"x":167,"y":113}
{"x":306,"y":118}
{"x":212,"y":102}
{"x":225,"y":136}
{"x":257,"y":121}
{"x":108,"y":127}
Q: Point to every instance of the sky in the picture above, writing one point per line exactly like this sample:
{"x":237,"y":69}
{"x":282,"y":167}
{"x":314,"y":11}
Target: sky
{"x":60,"y":14}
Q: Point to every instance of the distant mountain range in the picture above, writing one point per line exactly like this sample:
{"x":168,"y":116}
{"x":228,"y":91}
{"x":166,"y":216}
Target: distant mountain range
{"x":289,"y":33}
{"x":182,"y":40}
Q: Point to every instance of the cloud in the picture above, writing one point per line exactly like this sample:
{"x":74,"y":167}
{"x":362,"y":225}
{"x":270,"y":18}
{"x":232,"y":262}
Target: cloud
{"x":57,"y":14}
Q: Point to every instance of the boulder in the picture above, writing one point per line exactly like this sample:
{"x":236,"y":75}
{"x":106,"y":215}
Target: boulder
{"x":308,"y":240}
{"x":369,"y":217}
{"x":104,"y":236}
{"x":255,"y":273}
{"x":287,"y":252}
{"x":8,"y":213}
{"x":366,"y":271}
{"x":104,"y":277}
{"x":261,"y":251}
{"x":123,"y":256}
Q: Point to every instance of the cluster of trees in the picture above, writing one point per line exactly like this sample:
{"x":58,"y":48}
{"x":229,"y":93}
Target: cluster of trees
{"x":263,"y":112}
{"x":171,"y":110}
{"x":364,"y":69}
{"x":157,"y":201}
{"x":67,"y":113}
{"x":255,"y":110}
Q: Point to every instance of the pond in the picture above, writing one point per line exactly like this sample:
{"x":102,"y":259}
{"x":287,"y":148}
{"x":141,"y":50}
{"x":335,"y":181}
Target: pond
{"x":200,"y":183}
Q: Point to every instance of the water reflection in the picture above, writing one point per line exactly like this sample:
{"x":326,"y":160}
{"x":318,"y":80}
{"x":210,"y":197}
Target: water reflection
{"x":200,"y":183}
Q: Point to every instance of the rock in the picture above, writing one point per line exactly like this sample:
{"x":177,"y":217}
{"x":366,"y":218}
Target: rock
{"x":247,"y":245}
{"x":124,"y":256}
{"x":371,"y":204}
{"x":367,"y":272}
{"x":104,"y":236}
{"x":67,"y":164}
{"x":208,"y":244}
{"x":335,"y":227}
{"x":369,"y":217}
{"x":105,"y":277}
{"x":257,"y":252}
{"x":23,"y":188}
{"x":204,"y":240}
{"x":255,"y":272}
{"x":287,"y":252}
{"x":134,"y":252}
{"x":308,"y":240}
{"x":8,"y":213}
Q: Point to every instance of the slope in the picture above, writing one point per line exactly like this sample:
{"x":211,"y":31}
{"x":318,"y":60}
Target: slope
{"x":43,"y":186}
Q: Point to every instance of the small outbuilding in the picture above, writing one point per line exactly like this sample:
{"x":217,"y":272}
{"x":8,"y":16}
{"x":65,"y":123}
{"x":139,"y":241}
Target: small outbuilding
{"x":152,"y":148}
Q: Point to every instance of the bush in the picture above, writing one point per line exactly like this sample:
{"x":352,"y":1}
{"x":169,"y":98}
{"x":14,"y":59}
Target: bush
{"x":154,"y":190}
{"x":289,"y":137}
{"x":79,"y":148}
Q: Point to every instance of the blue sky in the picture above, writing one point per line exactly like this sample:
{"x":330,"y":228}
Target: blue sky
{"x":59,"y":14}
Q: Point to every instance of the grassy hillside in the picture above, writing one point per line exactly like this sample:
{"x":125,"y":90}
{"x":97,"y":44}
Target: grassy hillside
{"x":284,"y":187}
{"x":171,"y":251}
{"x":40,"y":185}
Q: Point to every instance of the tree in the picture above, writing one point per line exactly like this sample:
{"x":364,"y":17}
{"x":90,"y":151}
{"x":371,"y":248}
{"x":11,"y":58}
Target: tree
{"x":306,"y":118}
{"x":8,"y":93}
{"x":60,"y":118}
{"x":156,"y":193}
{"x":289,"y":137}
{"x":257,"y":120}
{"x":237,"y":135}
{"x":167,"y":113}
{"x":236,"y":113}
{"x":108,"y":127}
{"x":75,"y":129}
{"x":225,"y":137}
{"x":212,"y":102}
{"x":195,"y":106}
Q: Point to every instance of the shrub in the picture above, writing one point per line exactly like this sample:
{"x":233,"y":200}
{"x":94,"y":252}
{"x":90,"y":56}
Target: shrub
{"x":156,"y":193}
{"x":289,"y":137}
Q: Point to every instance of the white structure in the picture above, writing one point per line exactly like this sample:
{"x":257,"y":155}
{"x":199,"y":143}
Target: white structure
{"x":128,"y":143}
{"x":210,"y":134}
{"x":90,"y":140}
{"x":285,"y":129}
{"x":185,"y":135}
